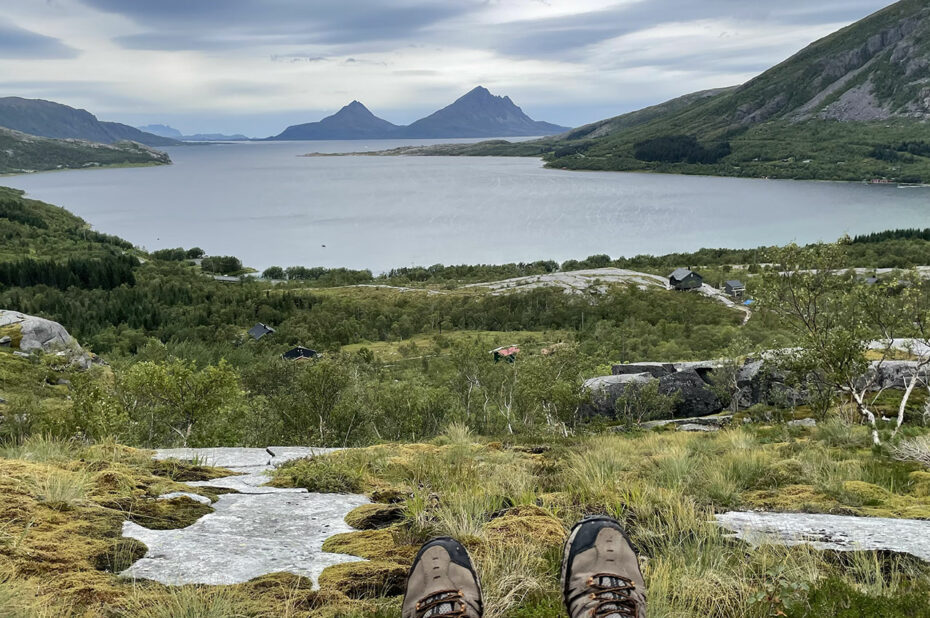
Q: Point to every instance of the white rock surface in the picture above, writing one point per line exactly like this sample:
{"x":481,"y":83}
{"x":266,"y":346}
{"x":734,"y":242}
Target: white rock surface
{"x":259,"y":531}
{"x":186,"y":494}
{"x":836,"y":532}
{"x":38,"y":333}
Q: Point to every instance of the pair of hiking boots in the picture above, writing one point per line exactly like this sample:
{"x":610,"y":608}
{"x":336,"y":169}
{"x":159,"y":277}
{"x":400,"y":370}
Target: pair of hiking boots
{"x":600,"y":577}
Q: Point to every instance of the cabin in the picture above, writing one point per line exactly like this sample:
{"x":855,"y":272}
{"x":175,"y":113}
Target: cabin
{"x":734,"y":288}
{"x":506,"y":353}
{"x":260,"y":330}
{"x":685,"y":279}
{"x":300,"y":353}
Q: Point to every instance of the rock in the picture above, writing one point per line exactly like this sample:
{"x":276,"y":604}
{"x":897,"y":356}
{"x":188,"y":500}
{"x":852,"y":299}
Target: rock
{"x":21,"y":354}
{"x":695,"y":398}
{"x":63,"y":382}
{"x":260,"y":531}
{"x":36,"y":333}
{"x":697,"y":428}
{"x":804,"y":422}
{"x":186,"y":494}
{"x":834,"y":532}
{"x":6,"y":341}
{"x":656,"y":370}
{"x":717,"y":420}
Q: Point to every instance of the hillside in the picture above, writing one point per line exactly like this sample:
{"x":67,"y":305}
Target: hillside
{"x":476,"y":114}
{"x":163,"y":130}
{"x":854,"y":105}
{"x":20,"y":152}
{"x":49,"y":119}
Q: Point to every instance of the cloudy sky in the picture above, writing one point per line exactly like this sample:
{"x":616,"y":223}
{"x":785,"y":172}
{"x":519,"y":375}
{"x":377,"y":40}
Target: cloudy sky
{"x":255,"y":66}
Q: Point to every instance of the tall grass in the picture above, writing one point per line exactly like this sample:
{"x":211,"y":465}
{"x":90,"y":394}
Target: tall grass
{"x":41,"y":448}
{"x":509,"y":573}
{"x":187,"y":602}
{"x":61,"y":489}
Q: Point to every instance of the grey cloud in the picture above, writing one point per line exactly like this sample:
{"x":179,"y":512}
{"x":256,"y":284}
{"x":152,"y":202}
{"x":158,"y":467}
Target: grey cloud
{"x":18,"y":43}
{"x":567,"y":37}
{"x":206,"y":24}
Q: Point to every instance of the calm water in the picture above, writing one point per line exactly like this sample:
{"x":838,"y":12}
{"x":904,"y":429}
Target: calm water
{"x":263,"y":203}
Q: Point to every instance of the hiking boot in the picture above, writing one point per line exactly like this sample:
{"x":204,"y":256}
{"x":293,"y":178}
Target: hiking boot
{"x":600,"y":572}
{"x":442,"y":582}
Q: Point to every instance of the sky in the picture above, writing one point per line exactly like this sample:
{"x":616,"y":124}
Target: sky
{"x":257,"y":66}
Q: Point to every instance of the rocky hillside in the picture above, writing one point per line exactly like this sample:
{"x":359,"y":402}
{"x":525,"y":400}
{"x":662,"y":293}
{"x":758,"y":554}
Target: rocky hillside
{"x":20,"y":152}
{"x":851,"y":106}
{"x":480,"y":114}
{"x":50,"y":119}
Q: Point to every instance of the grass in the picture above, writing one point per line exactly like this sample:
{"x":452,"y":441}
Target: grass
{"x":62,"y":505}
{"x":437,"y":345}
{"x":512,"y":508}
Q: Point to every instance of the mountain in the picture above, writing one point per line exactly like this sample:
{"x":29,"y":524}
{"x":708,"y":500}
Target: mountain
{"x":353,"y":121}
{"x":164,"y":130}
{"x":854,"y":105}
{"x":477,"y":114}
{"x":49,"y":119}
{"x":215,"y":137}
{"x":20,"y":152}
{"x":480,"y":114}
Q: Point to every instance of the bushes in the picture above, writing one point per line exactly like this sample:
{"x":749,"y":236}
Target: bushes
{"x":678,"y":149}
{"x":221,"y":264}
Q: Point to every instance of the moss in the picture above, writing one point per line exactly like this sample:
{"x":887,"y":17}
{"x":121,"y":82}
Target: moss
{"x":326,"y":474}
{"x":526,"y":524}
{"x":389,"y":495}
{"x":784,"y":472}
{"x":121,"y":555}
{"x":365,"y":580}
{"x":374,"y":516}
{"x":171,"y":514}
{"x":372,"y":545}
{"x":184,"y":472}
{"x":834,"y":597}
{"x":792,"y":499}
{"x":875,"y":501}
{"x":14,"y":332}
{"x":921,"y":481}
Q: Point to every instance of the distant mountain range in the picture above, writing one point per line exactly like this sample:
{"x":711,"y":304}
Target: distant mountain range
{"x":477,"y":114}
{"x":54,"y":120}
{"x":854,"y":105}
{"x":172,"y":133}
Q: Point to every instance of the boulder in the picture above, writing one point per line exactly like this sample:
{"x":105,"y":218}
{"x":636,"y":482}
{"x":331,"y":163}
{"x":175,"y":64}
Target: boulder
{"x":656,"y":370}
{"x":28,"y":332}
{"x":694,"y":427}
{"x":695,"y":397}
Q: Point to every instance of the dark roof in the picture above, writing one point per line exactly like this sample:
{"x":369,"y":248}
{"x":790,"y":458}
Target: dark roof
{"x":260,"y":330}
{"x":681,"y":274}
{"x":300,"y":352}
{"x":734,"y":283}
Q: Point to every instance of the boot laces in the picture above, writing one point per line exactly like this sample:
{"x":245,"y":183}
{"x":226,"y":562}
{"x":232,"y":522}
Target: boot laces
{"x":612,"y":595}
{"x":445,"y":603}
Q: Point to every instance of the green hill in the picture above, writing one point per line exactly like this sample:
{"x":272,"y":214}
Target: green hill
{"x":20,"y":152}
{"x":851,"y":106}
{"x":50,"y":119}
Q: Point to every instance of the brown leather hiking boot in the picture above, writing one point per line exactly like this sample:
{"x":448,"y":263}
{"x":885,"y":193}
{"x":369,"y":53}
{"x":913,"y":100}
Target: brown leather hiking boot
{"x":600,"y":572}
{"x":442,"y":582}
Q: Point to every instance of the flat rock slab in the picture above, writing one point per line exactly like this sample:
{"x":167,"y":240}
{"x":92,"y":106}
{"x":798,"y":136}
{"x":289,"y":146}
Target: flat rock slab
{"x":259,"y":531}
{"x":836,"y":532}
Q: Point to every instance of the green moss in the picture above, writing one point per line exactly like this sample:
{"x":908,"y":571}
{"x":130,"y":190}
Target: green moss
{"x":381,"y":545}
{"x":365,"y":580}
{"x":533,"y":528}
{"x":374,"y":516}
{"x":327,"y":474}
{"x":14,"y":332}
{"x":185,"y":472}
{"x":171,"y":514}
{"x":792,"y":499}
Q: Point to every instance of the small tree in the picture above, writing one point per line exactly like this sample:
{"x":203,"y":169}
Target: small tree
{"x":837,"y":322}
{"x":642,"y":401}
{"x":273,"y":272}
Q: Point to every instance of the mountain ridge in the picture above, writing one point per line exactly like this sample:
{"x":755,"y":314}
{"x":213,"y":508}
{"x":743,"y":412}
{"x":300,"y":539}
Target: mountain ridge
{"x":53,"y":120}
{"x":478,"y":113}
